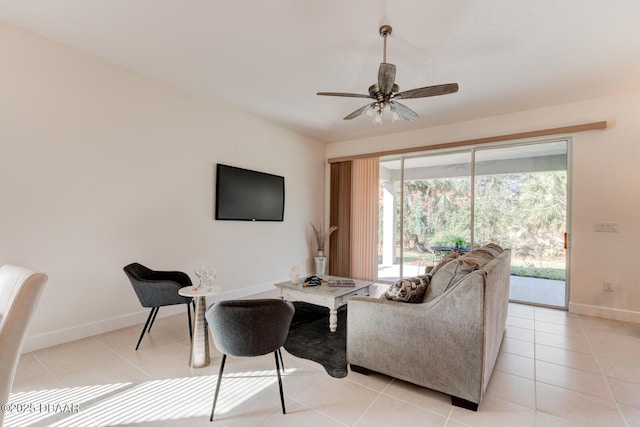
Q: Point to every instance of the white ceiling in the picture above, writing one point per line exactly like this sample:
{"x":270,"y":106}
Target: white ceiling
{"x":269,"y":58}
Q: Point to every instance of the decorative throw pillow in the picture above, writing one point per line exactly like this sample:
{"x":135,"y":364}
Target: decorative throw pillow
{"x":450,"y":257}
{"x":451,"y":273}
{"x":407,"y":290}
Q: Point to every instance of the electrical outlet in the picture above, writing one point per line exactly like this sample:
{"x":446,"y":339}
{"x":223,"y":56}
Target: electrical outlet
{"x":607,"y":286}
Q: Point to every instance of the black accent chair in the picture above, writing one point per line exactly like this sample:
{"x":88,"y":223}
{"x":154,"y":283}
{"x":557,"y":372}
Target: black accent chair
{"x":157,"y":289}
{"x":422,"y":249}
{"x":248,"y":328}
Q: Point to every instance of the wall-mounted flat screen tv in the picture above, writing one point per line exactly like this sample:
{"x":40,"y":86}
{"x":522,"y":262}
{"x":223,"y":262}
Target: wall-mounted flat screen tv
{"x":247,"y":195}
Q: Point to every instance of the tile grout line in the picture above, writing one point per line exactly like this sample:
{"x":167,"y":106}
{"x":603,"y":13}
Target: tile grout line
{"x":302,"y":391}
{"x":373,"y":401}
{"x":393,"y":397}
{"x":47,"y":369}
{"x":592,"y":353}
{"x":604,"y":377}
{"x":367,"y":408}
{"x":170,"y":338}
{"x":316,"y":411}
{"x":122,"y":357}
{"x":448,"y":418}
{"x":60,"y":383}
{"x":413,"y":404}
{"x":381,"y":393}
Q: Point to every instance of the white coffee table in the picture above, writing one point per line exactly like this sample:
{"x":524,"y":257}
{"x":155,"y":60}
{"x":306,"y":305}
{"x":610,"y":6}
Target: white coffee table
{"x":199,"y":356}
{"x":323,"y":295}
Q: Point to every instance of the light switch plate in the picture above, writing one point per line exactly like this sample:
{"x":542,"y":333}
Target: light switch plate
{"x":606,"y":227}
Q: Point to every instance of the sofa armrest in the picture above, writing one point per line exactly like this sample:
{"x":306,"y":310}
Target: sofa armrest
{"x":437,"y":344}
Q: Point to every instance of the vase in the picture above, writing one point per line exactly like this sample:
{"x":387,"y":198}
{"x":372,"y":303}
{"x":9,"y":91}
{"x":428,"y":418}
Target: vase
{"x":294,"y":274}
{"x":321,"y":265}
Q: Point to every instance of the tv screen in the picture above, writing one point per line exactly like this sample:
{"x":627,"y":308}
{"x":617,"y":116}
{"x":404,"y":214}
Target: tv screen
{"x":246,"y":195}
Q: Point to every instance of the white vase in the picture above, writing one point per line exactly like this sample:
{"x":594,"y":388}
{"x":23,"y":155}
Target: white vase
{"x":321,"y":265}
{"x":294,"y":274}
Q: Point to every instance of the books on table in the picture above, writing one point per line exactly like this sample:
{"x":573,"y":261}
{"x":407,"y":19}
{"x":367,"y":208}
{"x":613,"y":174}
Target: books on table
{"x":342,"y":283}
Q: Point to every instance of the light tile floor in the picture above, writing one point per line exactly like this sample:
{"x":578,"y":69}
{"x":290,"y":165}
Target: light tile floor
{"x":554,"y":369}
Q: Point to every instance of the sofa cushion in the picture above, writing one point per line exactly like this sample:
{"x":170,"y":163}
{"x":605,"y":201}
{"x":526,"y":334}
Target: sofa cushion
{"x":493,"y":249}
{"x":450,"y":257}
{"x":450,"y":274}
{"x":407,"y":290}
{"x":481,"y":256}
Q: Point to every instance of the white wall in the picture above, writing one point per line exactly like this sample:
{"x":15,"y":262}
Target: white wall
{"x":101,"y":167}
{"x":606,"y":188}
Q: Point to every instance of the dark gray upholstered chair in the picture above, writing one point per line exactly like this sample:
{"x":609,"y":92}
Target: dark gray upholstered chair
{"x":248,"y":328}
{"x":157,"y":289}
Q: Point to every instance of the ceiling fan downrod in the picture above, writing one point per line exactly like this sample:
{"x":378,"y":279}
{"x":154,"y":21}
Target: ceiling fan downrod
{"x":385,"y":30}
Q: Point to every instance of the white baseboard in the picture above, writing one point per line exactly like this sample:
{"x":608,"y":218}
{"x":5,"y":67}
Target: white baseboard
{"x":605,"y":312}
{"x":61,"y":336}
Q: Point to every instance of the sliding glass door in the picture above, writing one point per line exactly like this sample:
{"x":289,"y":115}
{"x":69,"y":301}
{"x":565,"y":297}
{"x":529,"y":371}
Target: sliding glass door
{"x":515,"y":196}
{"x":521,"y":203}
{"x":425,"y":204}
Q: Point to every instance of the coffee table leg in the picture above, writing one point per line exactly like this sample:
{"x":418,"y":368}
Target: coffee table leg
{"x":333,"y":319}
{"x":199,"y":357}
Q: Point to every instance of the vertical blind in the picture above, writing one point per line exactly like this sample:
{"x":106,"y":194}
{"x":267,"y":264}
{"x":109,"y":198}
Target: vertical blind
{"x":340,"y":216}
{"x":354,"y":209}
{"x":365,"y":185}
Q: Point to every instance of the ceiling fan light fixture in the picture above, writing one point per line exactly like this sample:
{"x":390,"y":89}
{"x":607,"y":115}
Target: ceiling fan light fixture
{"x":379,"y":112}
{"x":370,"y":111}
{"x":377,"y":117}
{"x":386,"y":90}
{"x":394,"y":114}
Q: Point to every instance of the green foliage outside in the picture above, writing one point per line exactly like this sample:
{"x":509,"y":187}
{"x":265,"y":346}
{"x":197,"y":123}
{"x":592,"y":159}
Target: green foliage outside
{"x":541,"y":270}
{"x":524,"y":212}
{"x":540,"y":273}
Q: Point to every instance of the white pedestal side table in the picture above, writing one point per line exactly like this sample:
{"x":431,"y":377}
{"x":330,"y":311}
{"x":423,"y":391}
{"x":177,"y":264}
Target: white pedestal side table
{"x":199,"y":356}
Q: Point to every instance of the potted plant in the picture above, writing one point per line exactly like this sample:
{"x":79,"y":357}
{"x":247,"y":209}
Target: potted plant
{"x":458,"y":242}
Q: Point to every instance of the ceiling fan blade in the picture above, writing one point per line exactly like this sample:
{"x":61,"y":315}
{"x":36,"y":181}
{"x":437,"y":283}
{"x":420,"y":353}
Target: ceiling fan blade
{"x":386,"y":77}
{"x":423,"y":92}
{"x":349,"y":95}
{"x":358,"y":112}
{"x":404,"y":111}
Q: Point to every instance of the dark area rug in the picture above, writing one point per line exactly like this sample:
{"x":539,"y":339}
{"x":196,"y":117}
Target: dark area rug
{"x":310,"y":338}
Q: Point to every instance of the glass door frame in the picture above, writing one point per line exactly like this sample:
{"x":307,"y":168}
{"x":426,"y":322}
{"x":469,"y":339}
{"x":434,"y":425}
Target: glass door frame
{"x":568,"y":144}
{"x":472,"y":152}
{"x":433,"y":153}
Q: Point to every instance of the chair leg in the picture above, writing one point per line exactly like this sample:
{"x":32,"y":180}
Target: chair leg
{"x":279,"y":382}
{"x":146,"y":325}
{"x":215,"y":397}
{"x":189,"y":315}
{"x":154,"y":317}
{"x":281,"y":361}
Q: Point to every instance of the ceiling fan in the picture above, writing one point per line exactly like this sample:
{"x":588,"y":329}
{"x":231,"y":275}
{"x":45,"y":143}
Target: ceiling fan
{"x":386,"y":92}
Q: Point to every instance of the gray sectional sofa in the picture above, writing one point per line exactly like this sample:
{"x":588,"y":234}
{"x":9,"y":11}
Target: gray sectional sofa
{"x":449,"y":340}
